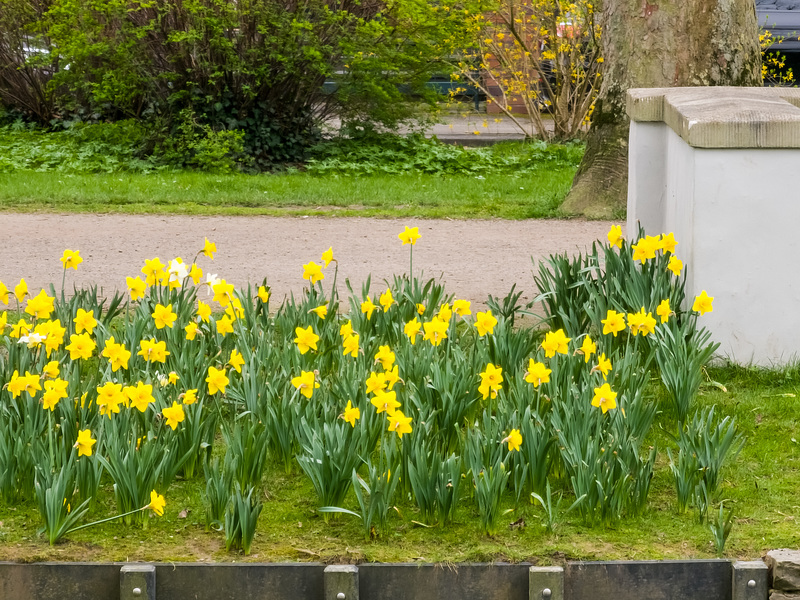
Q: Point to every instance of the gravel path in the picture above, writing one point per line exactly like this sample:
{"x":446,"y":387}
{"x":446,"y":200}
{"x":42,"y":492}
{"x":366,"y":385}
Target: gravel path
{"x":474,"y":258}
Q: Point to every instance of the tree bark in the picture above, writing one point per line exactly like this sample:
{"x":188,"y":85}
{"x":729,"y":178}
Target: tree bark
{"x":667,"y":43}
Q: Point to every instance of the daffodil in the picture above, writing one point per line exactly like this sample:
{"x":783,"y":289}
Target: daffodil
{"x":209,"y":248}
{"x":391,"y":376}
{"x":40,"y":306}
{"x":109,"y":397}
{"x":16,"y":385}
{"x":306,"y":383}
{"x":157,"y":503}
{"x":313,"y":272}
{"x":85,"y":321}
{"x":491,"y":381}
{"x":462,"y":308}
{"x":376,"y":382}
{"x":327,"y":256}
{"x":537,"y":373}
{"x":399,"y":423}
{"x":514,"y":440}
{"x":153,"y":271}
{"x":217,"y":380}
{"x":385,"y":402}
{"x":153,"y":351}
{"x":615,"y":236}
{"x":223,"y":292}
{"x":411,"y":329}
{"x":224,"y":326}
{"x":191,"y":330}
{"x":140,"y":396}
{"x":675,"y":265}
{"x":420,"y":309}
{"x":664,"y":311}
{"x":555,"y":342}
{"x":54,"y":391}
{"x":702,"y":303}
{"x":203,"y":311}
{"x":236,"y":360}
{"x":385,"y":356}
{"x":80,"y":346}
{"x":668,"y":243}
{"x":603,"y":365}
{"x":53,"y":333}
{"x":4,"y":293}
{"x":351,"y":413}
{"x":321,"y":311}
{"x":21,"y":290}
{"x":84,"y":443}
{"x":368,"y":307}
{"x":386,"y":300}
{"x":346,"y":329}
{"x":445,"y":313}
{"x":588,"y":347}
{"x":117,"y":354}
{"x":409,"y":236}
{"x":20,"y":328}
{"x":604,"y":398}
{"x":350,"y":345}
{"x":3,"y":321}
{"x":51,"y":370}
{"x":306,"y":339}
{"x":174,"y":414}
{"x":190,"y":397}
{"x":195,"y":274}
{"x":485,"y":322}
{"x":435,"y":331}
{"x":613,"y":323}
{"x":136,"y":287}
{"x":263,"y":294}
{"x":177,"y":272}
{"x":646,"y":248}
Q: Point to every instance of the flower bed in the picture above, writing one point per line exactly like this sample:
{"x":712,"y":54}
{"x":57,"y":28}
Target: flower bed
{"x":407,"y":393}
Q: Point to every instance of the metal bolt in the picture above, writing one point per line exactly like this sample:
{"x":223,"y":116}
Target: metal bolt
{"x":136,"y":591}
{"x":546,"y":593}
{"x":751,"y":583}
{"x":340,"y":596}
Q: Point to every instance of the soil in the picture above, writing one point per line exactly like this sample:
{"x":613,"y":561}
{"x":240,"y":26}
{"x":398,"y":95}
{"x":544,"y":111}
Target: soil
{"x":474,"y":258}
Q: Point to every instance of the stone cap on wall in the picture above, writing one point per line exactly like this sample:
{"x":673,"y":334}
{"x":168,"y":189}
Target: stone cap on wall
{"x":723,"y":117}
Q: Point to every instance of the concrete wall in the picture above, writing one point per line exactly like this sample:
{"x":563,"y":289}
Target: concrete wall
{"x":719,"y":167}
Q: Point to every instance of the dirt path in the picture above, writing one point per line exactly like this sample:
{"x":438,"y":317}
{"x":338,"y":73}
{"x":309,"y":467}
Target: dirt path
{"x":475,"y":258}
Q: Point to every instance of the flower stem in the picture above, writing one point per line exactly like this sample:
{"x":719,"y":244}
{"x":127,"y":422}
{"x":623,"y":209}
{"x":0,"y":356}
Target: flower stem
{"x":127,"y":514}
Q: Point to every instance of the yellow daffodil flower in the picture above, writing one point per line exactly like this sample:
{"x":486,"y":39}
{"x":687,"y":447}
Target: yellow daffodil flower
{"x":263,"y":294}
{"x":174,"y":414}
{"x":491,"y":381}
{"x":80,"y":346}
{"x":117,"y":354}
{"x":485,"y":322}
{"x":327,"y":256}
{"x":306,"y":383}
{"x":209,"y":248}
{"x":53,"y":392}
{"x":350,"y":345}
{"x":346,"y":329}
{"x":217,"y":380}
{"x":153,"y":271}
{"x":409,"y":236}
{"x":537,"y":373}
{"x":351,"y":414}
{"x":385,"y":402}
{"x":4,"y":294}
{"x":615,"y":236}
{"x":603,"y":365}
{"x":702,"y":303}
{"x":411,"y":329}
{"x":84,"y":443}
{"x":435,"y":331}
{"x":21,"y":290}
{"x":157,"y":503}
{"x":306,"y":339}
{"x":191,"y":330}
{"x":190,"y":397}
{"x":664,"y":311}
{"x":386,"y":300}
{"x":203,"y":311}
{"x":555,"y":342}
{"x":136,"y":287}
{"x":141,"y":396}
{"x":514,"y":440}
{"x":224,"y":326}
{"x":613,"y":323}
{"x":675,"y":265}
{"x":668,"y":243}
{"x":40,"y":306}
{"x":51,"y":370}
{"x":367,"y":307}
{"x":399,"y":423}
{"x":109,"y":397}
{"x":604,"y":398}
{"x":462,"y":308}
{"x":313,"y":272}
{"x":321,"y":311}
{"x":386,"y":357}
{"x":236,"y":360}
{"x":153,"y":351}
{"x":588,"y":347}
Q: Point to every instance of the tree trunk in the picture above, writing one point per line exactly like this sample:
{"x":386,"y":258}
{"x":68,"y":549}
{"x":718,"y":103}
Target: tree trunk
{"x":669,"y":43}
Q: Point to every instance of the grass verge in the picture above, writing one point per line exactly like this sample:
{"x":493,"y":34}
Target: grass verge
{"x":535,"y":194}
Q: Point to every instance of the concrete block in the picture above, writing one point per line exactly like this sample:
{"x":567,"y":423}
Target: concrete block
{"x":750,"y":580}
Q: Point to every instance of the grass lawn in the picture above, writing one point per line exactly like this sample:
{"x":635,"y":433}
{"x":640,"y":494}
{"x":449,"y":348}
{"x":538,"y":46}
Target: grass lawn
{"x":532,"y":195}
{"x":760,"y":486}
